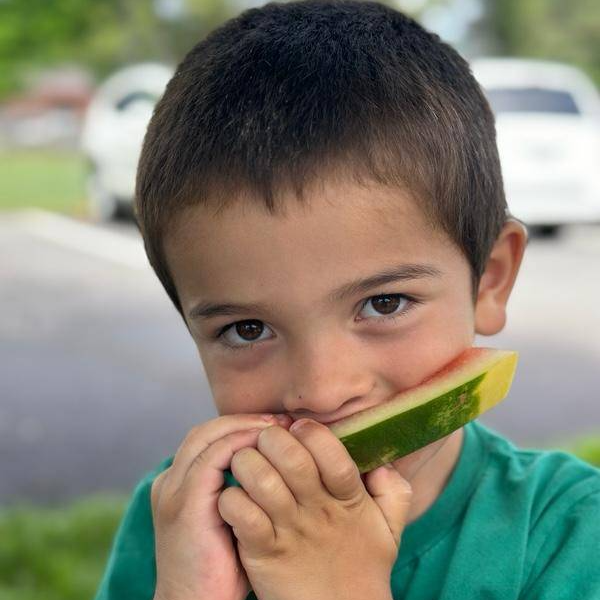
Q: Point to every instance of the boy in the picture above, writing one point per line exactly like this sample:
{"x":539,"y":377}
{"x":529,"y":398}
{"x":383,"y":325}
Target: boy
{"x":320,"y":194}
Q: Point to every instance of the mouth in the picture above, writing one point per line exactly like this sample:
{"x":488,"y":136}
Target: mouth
{"x":327,"y":422}
{"x":330,"y":421}
{"x":357,"y":408}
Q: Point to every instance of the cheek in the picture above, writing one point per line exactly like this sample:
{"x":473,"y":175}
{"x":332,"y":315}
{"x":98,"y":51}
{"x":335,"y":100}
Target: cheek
{"x":414,"y":356}
{"x":240,"y":390}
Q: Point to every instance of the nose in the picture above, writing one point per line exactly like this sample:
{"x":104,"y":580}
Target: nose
{"x":324,"y":376}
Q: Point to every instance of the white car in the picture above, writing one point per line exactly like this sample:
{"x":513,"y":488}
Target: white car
{"x":548,"y":132}
{"x":112,"y":135}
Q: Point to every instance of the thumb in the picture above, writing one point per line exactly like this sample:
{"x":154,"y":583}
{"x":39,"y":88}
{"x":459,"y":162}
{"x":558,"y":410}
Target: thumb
{"x":393,"y":494}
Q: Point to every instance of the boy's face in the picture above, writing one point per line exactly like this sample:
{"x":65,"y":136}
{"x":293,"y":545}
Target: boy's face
{"x":317,"y":354}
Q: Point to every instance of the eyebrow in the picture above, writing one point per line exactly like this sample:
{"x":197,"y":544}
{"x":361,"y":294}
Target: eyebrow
{"x":405,"y":272}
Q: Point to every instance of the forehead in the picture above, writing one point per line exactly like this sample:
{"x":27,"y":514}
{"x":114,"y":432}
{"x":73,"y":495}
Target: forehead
{"x":342,"y":231}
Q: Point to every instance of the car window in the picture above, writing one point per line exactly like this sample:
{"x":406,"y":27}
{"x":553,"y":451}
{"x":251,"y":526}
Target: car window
{"x":531,"y":100}
{"x":135,"y":97}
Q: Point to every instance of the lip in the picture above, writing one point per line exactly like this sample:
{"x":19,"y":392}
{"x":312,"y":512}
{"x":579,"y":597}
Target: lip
{"x":319,"y":420}
{"x":357,"y":409}
{"x":332,"y":421}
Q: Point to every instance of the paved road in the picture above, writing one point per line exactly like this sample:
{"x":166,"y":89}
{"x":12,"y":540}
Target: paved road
{"x":99,"y":380}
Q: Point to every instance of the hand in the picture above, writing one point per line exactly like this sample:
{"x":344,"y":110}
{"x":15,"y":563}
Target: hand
{"x":195,"y":551}
{"x":305,"y":524}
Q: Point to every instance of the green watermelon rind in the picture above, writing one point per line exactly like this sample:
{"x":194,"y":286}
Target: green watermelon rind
{"x":471,"y":384}
{"x":415,"y":428}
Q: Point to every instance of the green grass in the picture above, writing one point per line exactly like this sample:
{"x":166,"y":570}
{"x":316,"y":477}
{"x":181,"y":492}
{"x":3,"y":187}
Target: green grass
{"x":57,"y":553}
{"x":52,"y":180}
{"x":61,"y":553}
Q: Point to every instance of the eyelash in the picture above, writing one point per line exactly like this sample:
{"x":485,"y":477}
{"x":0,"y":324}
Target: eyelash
{"x":412,"y":302}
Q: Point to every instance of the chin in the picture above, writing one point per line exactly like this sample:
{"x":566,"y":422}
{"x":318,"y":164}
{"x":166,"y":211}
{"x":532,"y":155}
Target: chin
{"x":408,"y":466}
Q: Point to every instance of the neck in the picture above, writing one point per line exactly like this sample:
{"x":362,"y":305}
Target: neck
{"x":430,"y":479}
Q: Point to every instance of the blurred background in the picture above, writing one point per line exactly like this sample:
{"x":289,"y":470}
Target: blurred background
{"x":99,"y":379}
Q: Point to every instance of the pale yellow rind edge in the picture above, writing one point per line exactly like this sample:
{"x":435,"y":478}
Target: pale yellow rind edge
{"x":497,"y":364}
{"x":497,"y":382}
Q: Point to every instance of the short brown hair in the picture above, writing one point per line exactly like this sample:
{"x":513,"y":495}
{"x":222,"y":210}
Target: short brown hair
{"x":288,"y":93}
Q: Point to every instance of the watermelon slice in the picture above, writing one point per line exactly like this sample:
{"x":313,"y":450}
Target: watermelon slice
{"x":472,"y":383}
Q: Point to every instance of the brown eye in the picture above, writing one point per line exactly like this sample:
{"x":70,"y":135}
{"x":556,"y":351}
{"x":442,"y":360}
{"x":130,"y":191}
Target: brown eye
{"x":249,"y":330}
{"x":385,"y":304}
{"x":242,"y":334}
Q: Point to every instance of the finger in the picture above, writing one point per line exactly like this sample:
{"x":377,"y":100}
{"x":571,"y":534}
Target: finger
{"x":338,"y":471}
{"x":205,"y":434}
{"x":263,"y":484}
{"x":251,"y":525}
{"x":205,"y":479}
{"x":294,"y":463}
{"x":393,"y":494}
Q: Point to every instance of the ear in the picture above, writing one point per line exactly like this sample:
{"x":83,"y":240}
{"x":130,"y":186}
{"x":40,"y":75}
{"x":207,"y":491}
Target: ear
{"x":499,"y":277}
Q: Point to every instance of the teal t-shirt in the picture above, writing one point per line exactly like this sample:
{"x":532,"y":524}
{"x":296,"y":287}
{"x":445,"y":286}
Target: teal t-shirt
{"x":510,"y":524}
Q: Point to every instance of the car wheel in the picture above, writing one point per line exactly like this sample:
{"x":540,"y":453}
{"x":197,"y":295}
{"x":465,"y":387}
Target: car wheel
{"x":104,"y":206}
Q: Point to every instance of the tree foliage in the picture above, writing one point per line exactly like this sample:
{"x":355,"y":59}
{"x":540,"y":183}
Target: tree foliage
{"x":101,"y":35}
{"x":549,"y":29}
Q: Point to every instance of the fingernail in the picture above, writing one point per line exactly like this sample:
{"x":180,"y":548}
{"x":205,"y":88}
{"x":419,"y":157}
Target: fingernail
{"x":297,"y":424}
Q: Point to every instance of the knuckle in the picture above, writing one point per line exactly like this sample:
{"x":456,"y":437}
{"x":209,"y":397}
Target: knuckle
{"x":253,"y":519}
{"x":271,"y":484}
{"x":196,"y":434}
{"x":348,"y":474}
{"x":228,"y":505}
{"x":298,"y":461}
{"x":329,"y":515}
{"x":218,"y":421}
{"x":201,"y":460}
{"x":193,"y":433}
{"x":193,"y":438}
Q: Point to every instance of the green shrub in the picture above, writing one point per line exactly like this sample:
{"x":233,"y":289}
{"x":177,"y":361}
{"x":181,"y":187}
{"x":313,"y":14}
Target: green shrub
{"x":57,"y":553}
{"x":586,"y":448}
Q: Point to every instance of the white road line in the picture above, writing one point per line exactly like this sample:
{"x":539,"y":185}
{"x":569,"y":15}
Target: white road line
{"x":85,"y":238}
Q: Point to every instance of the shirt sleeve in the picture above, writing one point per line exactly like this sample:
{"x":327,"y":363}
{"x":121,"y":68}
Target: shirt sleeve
{"x":131,"y":569}
{"x":566,"y":564}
